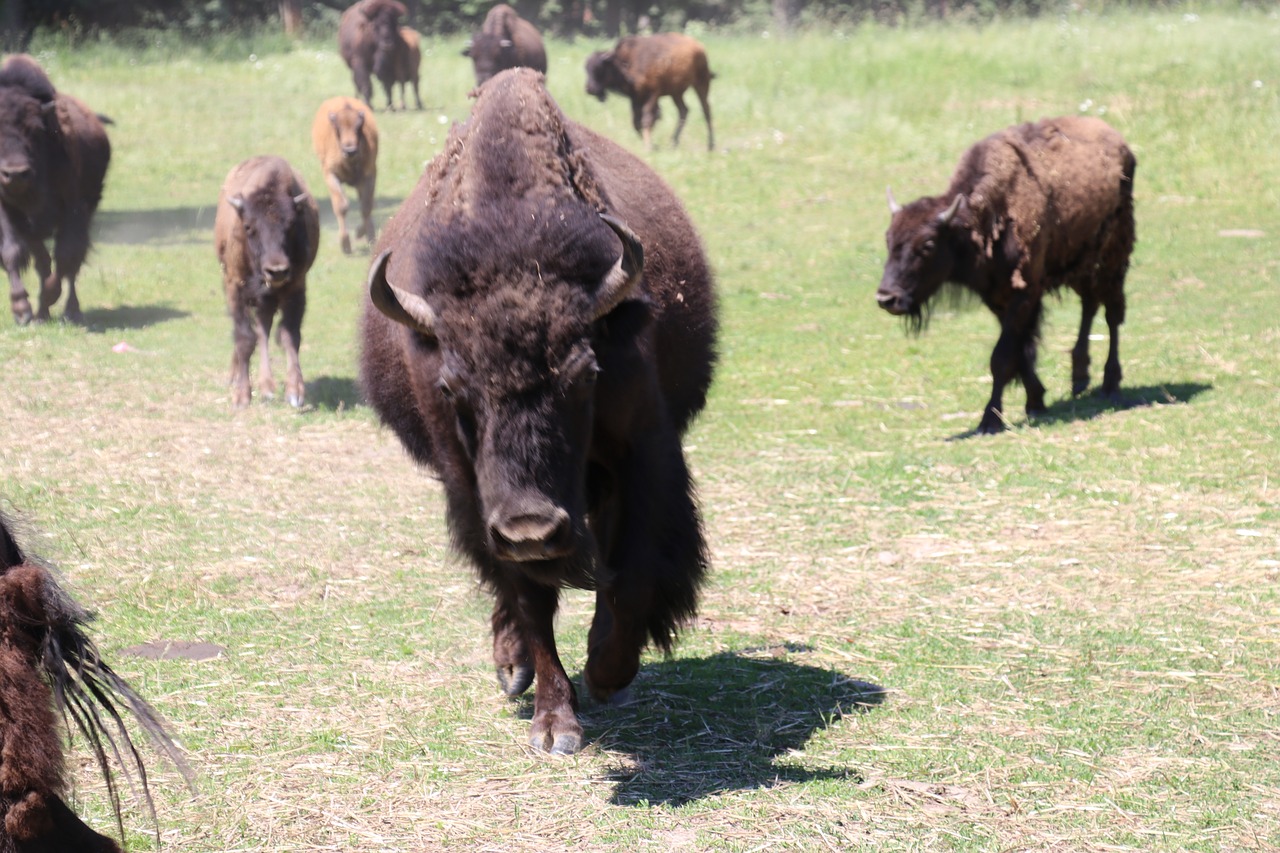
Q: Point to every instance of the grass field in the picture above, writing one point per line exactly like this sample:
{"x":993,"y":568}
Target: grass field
{"x":1076,"y":624}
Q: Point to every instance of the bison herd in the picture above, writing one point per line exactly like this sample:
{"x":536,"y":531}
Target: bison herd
{"x":539,"y":330}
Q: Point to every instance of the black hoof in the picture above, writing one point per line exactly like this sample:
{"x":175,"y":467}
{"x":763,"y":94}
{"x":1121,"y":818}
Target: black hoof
{"x":515,"y":679}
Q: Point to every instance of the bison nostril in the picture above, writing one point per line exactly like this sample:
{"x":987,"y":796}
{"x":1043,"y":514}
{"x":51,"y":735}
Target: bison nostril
{"x":532,"y":536}
{"x":277,"y":272}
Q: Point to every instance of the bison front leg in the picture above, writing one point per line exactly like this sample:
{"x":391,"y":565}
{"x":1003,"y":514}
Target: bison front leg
{"x":555,"y":726}
{"x":70,"y":250}
{"x":684,"y":115}
{"x":338,"y":198}
{"x":244,"y":339}
{"x":13,"y":254}
{"x":294,"y":306}
{"x":50,"y":287}
{"x":510,"y":653}
{"x":264,"y":316}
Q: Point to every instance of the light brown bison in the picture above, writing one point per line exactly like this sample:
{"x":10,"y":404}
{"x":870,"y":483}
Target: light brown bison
{"x":540,"y":332}
{"x":1030,"y":209}
{"x":645,"y":68}
{"x":49,"y":668}
{"x":344,"y":135}
{"x":369,"y":41}
{"x":266,"y":233}
{"x":505,"y":40}
{"x":54,"y":154}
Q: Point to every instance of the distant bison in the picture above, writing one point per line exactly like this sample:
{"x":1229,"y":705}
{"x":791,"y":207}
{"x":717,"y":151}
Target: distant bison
{"x":540,"y":333}
{"x":505,"y":40}
{"x":645,"y":68}
{"x":344,"y":135}
{"x":369,"y":42}
{"x":53,"y":162}
{"x":401,"y":66}
{"x":1030,"y":209}
{"x":266,"y":232}
{"x":49,"y":668}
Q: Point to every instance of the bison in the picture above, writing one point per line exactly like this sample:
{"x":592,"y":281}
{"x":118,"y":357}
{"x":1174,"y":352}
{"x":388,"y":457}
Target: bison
{"x":266,"y":232}
{"x":1030,"y":209}
{"x":344,"y":135}
{"x":54,"y":154}
{"x":645,"y":68}
{"x":50,"y":667}
{"x":505,"y":40}
{"x":540,"y":332}
{"x":401,"y":67}
{"x":369,"y":42}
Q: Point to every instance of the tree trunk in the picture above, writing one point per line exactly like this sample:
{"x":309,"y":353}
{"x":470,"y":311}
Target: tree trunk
{"x":291,"y":14}
{"x":784,"y":14}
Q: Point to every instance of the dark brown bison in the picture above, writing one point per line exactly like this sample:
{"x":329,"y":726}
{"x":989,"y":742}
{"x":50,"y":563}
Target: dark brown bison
{"x":344,"y":135}
{"x":645,"y":68}
{"x":540,"y":333}
{"x":49,"y":668}
{"x":369,"y":42}
{"x":53,"y":161}
{"x":266,"y":232}
{"x":505,"y":40}
{"x":401,"y":66}
{"x":1030,"y":209}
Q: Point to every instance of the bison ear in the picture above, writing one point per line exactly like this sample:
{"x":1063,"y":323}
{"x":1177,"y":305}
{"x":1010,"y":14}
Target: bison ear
{"x":947,"y":215}
{"x":404,"y":307}
{"x":894,"y":207}
{"x":622,"y":279}
{"x":237,"y":202}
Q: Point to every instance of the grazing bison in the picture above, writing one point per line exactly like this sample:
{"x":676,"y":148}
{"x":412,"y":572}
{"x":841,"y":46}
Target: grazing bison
{"x":266,"y":232}
{"x":344,"y":135}
{"x":369,"y":42}
{"x":1030,"y":209}
{"x":505,"y":40}
{"x":53,"y":161}
{"x":645,"y":68}
{"x":48,"y":666}
{"x":540,"y":333}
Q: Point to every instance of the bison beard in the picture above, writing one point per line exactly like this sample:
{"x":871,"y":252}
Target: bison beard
{"x":523,"y":344}
{"x":1030,"y":209}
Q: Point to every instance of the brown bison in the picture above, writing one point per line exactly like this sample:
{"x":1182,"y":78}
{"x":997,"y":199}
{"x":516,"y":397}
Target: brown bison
{"x":540,"y":333}
{"x":369,"y":42}
{"x":645,"y":68}
{"x":49,"y":668}
{"x":266,"y":232}
{"x":1030,"y":209}
{"x":505,"y":40}
{"x":53,"y":161}
{"x":401,"y":67}
{"x":344,"y":135}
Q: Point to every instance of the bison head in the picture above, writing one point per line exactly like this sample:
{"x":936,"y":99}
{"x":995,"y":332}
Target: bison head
{"x":490,"y":54}
{"x":515,"y":372}
{"x":27,"y":128}
{"x":268,"y":217}
{"x":604,"y":74}
{"x":922,"y":241}
{"x":348,"y":126}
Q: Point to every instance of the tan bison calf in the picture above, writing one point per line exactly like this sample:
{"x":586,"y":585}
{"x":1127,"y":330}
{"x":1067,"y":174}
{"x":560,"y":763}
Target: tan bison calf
{"x":344,"y":135}
{"x":645,"y":68}
{"x":266,"y":232}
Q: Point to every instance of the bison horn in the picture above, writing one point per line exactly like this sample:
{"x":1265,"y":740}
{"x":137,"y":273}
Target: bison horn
{"x":625,"y":275}
{"x":894,"y":207}
{"x":946,"y":216}
{"x":237,"y":202}
{"x":404,"y":307}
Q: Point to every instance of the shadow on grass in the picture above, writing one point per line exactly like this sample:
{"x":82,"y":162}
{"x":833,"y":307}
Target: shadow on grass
{"x":333,"y":393}
{"x":697,"y":727}
{"x":1089,"y":406}
{"x":101,"y":320}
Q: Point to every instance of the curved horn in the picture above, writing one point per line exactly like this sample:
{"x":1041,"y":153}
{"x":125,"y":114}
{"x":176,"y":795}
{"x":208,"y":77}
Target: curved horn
{"x":236,"y":202}
{"x":894,"y":207}
{"x":945,"y":216}
{"x":405,"y":308}
{"x":625,"y":274}
{"x":299,"y":200}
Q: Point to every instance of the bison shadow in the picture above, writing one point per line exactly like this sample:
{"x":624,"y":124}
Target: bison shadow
{"x":697,"y":727}
{"x":333,"y":393}
{"x":1089,"y":406}
{"x":101,"y":320}
{"x":169,"y":226}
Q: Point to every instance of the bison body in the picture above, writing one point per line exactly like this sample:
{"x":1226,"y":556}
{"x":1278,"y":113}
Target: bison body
{"x":645,"y":68}
{"x":400,"y":66}
{"x":505,"y":40}
{"x":369,"y":42}
{"x":1030,"y":209}
{"x":540,"y":332}
{"x":344,"y":135}
{"x":54,"y":154}
{"x":266,"y":233}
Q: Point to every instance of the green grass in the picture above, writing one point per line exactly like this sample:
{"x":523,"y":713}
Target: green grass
{"x":1077,"y":622}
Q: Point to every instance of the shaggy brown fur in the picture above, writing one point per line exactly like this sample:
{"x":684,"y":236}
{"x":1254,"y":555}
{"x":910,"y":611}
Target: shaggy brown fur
{"x":368,"y":40}
{"x":645,"y":68}
{"x":505,"y":40}
{"x":48,"y":664}
{"x":344,"y":135}
{"x":266,"y":233}
{"x":1030,"y":209}
{"x":54,"y":154}
{"x":551,"y":412}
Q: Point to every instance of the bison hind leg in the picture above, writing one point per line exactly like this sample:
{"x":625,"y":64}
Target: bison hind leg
{"x":1080,"y":352}
{"x":1111,"y":374}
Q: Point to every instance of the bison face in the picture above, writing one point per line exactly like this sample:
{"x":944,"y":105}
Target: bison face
{"x":922,"y":255}
{"x":490,"y":54}
{"x":603,"y":75}
{"x":24,"y":142}
{"x":268,"y":220}
{"x":348,"y":126}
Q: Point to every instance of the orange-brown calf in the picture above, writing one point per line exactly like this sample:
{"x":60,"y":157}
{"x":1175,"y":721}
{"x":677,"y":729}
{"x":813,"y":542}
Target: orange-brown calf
{"x":344,"y":135}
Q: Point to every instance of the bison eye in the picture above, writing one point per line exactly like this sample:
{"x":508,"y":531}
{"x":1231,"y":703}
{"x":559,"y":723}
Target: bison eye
{"x":445,"y":391}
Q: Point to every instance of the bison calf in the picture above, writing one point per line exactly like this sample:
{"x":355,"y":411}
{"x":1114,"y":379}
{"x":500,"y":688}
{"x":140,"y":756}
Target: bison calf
{"x":344,"y":135}
{"x":645,"y":68}
{"x":1030,"y":209}
{"x":505,"y":40}
{"x":266,"y":232}
{"x":54,"y":154}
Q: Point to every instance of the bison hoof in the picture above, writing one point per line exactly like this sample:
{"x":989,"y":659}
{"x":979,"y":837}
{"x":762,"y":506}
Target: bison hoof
{"x":557,"y":734}
{"x":295,"y":400}
{"x":991,"y":425}
{"x":514,"y":679}
{"x":346,"y":245}
{"x":1079,"y":385}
